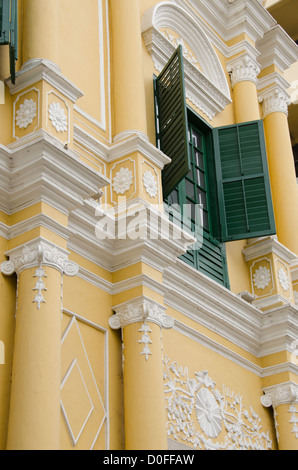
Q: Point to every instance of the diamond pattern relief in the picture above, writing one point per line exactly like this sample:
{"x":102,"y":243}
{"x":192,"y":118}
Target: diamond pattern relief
{"x":75,"y":401}
{"x":82,"y":407}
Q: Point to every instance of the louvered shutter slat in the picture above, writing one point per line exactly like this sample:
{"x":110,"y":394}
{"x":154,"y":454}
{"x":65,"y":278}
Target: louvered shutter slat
{"x":172,"y":122}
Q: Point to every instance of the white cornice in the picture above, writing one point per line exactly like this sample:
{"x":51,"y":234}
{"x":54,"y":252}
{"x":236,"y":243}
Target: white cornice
{"x":265,"y":246}
{"x":211,"y":305}
{"x":277,"y":48}
{"x":128,"y":146}
{"x":230,"y":19}
{"x":41,"y":69}
{"x":158,"y":249}
{"x":43,"y":170}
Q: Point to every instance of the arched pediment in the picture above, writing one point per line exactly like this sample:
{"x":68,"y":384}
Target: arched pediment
{"x":167,"y":25}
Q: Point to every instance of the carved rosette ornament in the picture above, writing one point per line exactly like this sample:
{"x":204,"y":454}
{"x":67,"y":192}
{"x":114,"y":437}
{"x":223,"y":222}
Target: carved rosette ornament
{"x":38,"y":254}
{"x":141,"y":310}
{"x":26,"y":114}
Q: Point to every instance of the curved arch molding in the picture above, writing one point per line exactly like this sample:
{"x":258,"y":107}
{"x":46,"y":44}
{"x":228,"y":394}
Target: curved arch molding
{"x":206,"y":87}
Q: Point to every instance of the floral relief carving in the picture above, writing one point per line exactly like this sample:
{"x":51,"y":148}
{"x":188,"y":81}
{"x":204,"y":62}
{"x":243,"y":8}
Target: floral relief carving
{"x":294,"y":419}
{"x":145,"y":330}
{"x":150,"y":184}
{"x":26,"y":113}
{"x":262,"y":278}
{"x":208,"y":413}
{"x":198,"y":413}
{"x":283,"y":279}
{"x":39,"y":287}
{"x":179,"y":41}
{"x":123,"y":181}
{"x":58,"y":117}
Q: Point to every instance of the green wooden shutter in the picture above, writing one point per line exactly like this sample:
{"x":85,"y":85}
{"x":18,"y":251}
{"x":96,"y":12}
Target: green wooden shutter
{"x":4,"y":21}
{"x":172,"y":132}
{"x":245,"y":202}
{"x":9,"y":31}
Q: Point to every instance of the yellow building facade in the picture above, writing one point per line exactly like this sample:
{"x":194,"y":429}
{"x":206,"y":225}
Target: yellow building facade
{"x":120,"y":328}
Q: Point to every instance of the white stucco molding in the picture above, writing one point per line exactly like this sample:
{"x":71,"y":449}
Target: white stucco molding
{"x":274,"y":99}
{"x":37,"y":253}
{"x":261,"y":247}
{"x":277,"y":48}
{"x":206,"y":87}
{"x":281,"y":394}
{"x":27,"y":170}
{"x":244,"y":68}
{"x":129,"y":144}
{"x":230,"y":18}
{"x":139,"y":310}
{"x":36,"y":70}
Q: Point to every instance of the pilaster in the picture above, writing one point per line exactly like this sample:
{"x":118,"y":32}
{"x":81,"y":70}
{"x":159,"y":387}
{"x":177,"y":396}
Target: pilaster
{"x":34,"y":419}
{"x":284,"y":400}
{"x":270,"y":267}
{"x":244,"y":70}
{"x":278,"y":52}
{"x":141,"y":321}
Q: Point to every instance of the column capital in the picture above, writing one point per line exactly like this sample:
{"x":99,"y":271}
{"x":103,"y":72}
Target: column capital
{"x":273,"y":94}
{"x":274,"y":100}
{"x":140,"y":310}
{"x":243,"y":68}
{"x":281,"y":394}
{"x":37,"y":253}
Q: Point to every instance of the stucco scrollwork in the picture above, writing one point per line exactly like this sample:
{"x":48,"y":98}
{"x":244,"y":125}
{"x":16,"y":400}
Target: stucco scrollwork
{"x":198,"y":413}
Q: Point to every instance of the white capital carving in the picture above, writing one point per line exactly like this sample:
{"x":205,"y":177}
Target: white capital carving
{"x":140,"y":309}
{"x":281,"y":394}
{"x":243,"y":68}
{"x":38,"y":253}
{"x":274,"y":100}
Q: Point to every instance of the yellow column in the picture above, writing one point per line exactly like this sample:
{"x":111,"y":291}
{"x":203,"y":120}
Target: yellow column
{"x":34,"y":419}
{"x":141,"y":321}
{"x":128,"y":76}
{"x":244,"y":71}
{"x":284,"y":400}
{"x":41,"y":30}
{"x":281,"y":166}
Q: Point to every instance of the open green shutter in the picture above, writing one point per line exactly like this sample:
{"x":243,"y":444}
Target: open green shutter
{"x":172,"y":132}
{"x":9,"y":31}
{"x":4,"y":21}
{"x":244,"y":193}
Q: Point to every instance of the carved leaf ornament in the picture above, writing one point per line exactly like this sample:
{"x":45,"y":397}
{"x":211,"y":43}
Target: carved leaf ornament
{"x":198,"y":413}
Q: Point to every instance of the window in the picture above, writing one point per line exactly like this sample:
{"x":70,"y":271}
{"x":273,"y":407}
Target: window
{"x":223,"y":170}
{"x":9,"y":31}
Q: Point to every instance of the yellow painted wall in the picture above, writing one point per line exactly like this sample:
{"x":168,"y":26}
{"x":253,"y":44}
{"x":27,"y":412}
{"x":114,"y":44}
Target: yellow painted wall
{"x":91,"y":353}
